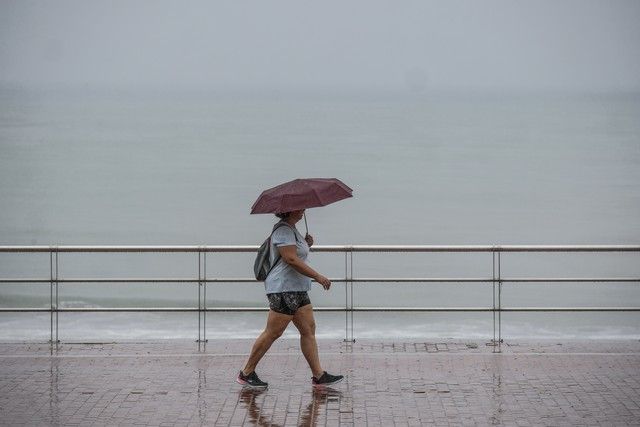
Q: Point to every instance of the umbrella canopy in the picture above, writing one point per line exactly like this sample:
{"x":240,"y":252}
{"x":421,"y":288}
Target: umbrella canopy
{"x":301,"y":194}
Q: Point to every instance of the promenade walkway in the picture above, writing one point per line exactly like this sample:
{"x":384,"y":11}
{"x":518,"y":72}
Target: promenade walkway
{"x":448,"y":382}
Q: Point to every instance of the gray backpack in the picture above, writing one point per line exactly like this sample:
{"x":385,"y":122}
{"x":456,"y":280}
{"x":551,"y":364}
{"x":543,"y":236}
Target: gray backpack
{"x":261,"y":266}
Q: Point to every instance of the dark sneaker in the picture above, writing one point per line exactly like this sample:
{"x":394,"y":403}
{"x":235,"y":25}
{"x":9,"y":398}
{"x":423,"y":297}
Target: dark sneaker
{"x":326,"y":379}
{"x":251,"y":380}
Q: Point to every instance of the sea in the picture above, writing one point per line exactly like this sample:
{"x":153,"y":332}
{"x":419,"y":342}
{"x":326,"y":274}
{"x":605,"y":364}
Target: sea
{"x":141,"y":167}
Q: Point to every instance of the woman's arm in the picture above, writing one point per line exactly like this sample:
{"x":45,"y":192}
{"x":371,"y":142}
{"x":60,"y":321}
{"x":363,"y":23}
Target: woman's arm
{"x":289,"y":255}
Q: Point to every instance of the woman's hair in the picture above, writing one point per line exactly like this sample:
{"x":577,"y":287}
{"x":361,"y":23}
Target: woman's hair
{"x":283,"y":215}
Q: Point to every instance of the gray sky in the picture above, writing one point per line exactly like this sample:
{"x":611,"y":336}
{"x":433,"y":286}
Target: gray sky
{"x":389,"y":45}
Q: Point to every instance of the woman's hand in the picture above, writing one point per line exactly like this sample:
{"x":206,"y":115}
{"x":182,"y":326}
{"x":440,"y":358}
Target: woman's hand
{"x":326,"y":283}
{"x":309,"y":239}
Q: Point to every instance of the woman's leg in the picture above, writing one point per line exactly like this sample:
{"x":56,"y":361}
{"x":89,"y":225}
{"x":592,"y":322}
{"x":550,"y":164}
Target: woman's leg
{"x":306,"y":324}
{"x":276,"y":324}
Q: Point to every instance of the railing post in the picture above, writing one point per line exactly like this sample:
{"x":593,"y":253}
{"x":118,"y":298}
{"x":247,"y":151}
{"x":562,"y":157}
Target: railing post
{"x":198,"y":286}
{"x":57,"y":301}
{"x":51,"y":296}
{"x":204,"y":299}
{"x":202,"y":316}
{"x":53,"y":307}
{"x":493,"y":293}
{"x":348,"y":296}
{"x":497,"y":304}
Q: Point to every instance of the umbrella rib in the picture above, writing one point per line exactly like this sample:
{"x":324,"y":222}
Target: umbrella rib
{"x":315,"y":192}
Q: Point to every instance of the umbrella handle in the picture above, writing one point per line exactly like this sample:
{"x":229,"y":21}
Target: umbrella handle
{"x":305,"y":222}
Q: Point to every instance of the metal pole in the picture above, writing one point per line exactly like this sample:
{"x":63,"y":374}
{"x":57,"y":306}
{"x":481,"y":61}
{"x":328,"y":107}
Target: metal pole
{"x":199,"y":303}
{"x":53,"y":307}
{"x":499,"y":305}
{"x":51,"y":298}
{"x":305,"y":222}
{"x":493,"y":293}
{"x":57,"y":302}
{"x":346,"y":298}
{"x":351,"y":287}
{"x":204,"y":330}
{"x":202,"y":296}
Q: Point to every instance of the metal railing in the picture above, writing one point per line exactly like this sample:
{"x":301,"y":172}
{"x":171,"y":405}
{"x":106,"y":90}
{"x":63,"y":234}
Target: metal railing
{"x":202,"y":279}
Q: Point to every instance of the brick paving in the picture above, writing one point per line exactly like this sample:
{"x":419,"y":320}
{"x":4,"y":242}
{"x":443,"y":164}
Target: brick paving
{"x":173,"y":383}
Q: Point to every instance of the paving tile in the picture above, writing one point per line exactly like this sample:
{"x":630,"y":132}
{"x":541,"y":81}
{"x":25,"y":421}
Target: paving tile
{"x":175,"y":383}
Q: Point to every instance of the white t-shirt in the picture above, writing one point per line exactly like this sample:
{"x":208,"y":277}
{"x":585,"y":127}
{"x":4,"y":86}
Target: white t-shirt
{"x":283,"y":277}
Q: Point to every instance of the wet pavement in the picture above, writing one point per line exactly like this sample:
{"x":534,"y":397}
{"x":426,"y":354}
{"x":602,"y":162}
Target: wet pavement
{"x":176,"y":383}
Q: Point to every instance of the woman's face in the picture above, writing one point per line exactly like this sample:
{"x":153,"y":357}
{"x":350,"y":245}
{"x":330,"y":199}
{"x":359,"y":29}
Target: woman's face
{"x":297,"y":215}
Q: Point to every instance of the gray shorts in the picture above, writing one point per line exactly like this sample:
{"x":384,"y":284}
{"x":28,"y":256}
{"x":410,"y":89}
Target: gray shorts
{"x":288,"y":302}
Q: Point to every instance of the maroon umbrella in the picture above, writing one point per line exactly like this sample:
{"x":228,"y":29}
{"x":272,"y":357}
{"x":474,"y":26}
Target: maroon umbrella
{"x":301,"y":194}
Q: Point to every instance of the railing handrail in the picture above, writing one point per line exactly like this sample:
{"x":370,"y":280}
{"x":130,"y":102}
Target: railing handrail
{"x":324,"y":248}
{"x":333,"y":279}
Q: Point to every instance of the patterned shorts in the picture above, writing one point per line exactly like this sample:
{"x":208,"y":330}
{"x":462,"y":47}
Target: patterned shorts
{"x":288,"y":302}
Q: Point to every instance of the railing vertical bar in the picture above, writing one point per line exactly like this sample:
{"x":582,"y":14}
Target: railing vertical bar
{"x":499,"y":304}
{"x":204,"y":261}
{"x":51,"y":297}
{"x":493,"y":294}
{"x":351,"y":288}
{"x":57,"y":301}
{"x":346,"y":297}
{"x":198,"y":287}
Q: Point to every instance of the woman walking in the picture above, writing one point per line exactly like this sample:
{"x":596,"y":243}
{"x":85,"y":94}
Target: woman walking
{"x":287,"y":286}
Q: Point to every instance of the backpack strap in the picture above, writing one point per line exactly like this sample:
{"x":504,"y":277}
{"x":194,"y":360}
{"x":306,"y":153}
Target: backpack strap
{"x":275,"y":227}
{"x":284,"y":223}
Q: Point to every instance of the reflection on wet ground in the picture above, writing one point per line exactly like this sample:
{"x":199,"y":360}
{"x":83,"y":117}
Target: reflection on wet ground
{"x":172,"y":383}
{"x":319,"y":404}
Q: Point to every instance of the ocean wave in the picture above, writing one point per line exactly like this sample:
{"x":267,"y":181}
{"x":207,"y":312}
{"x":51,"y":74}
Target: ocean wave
{"x":77,"y":304}
{"x":126,"y":326}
